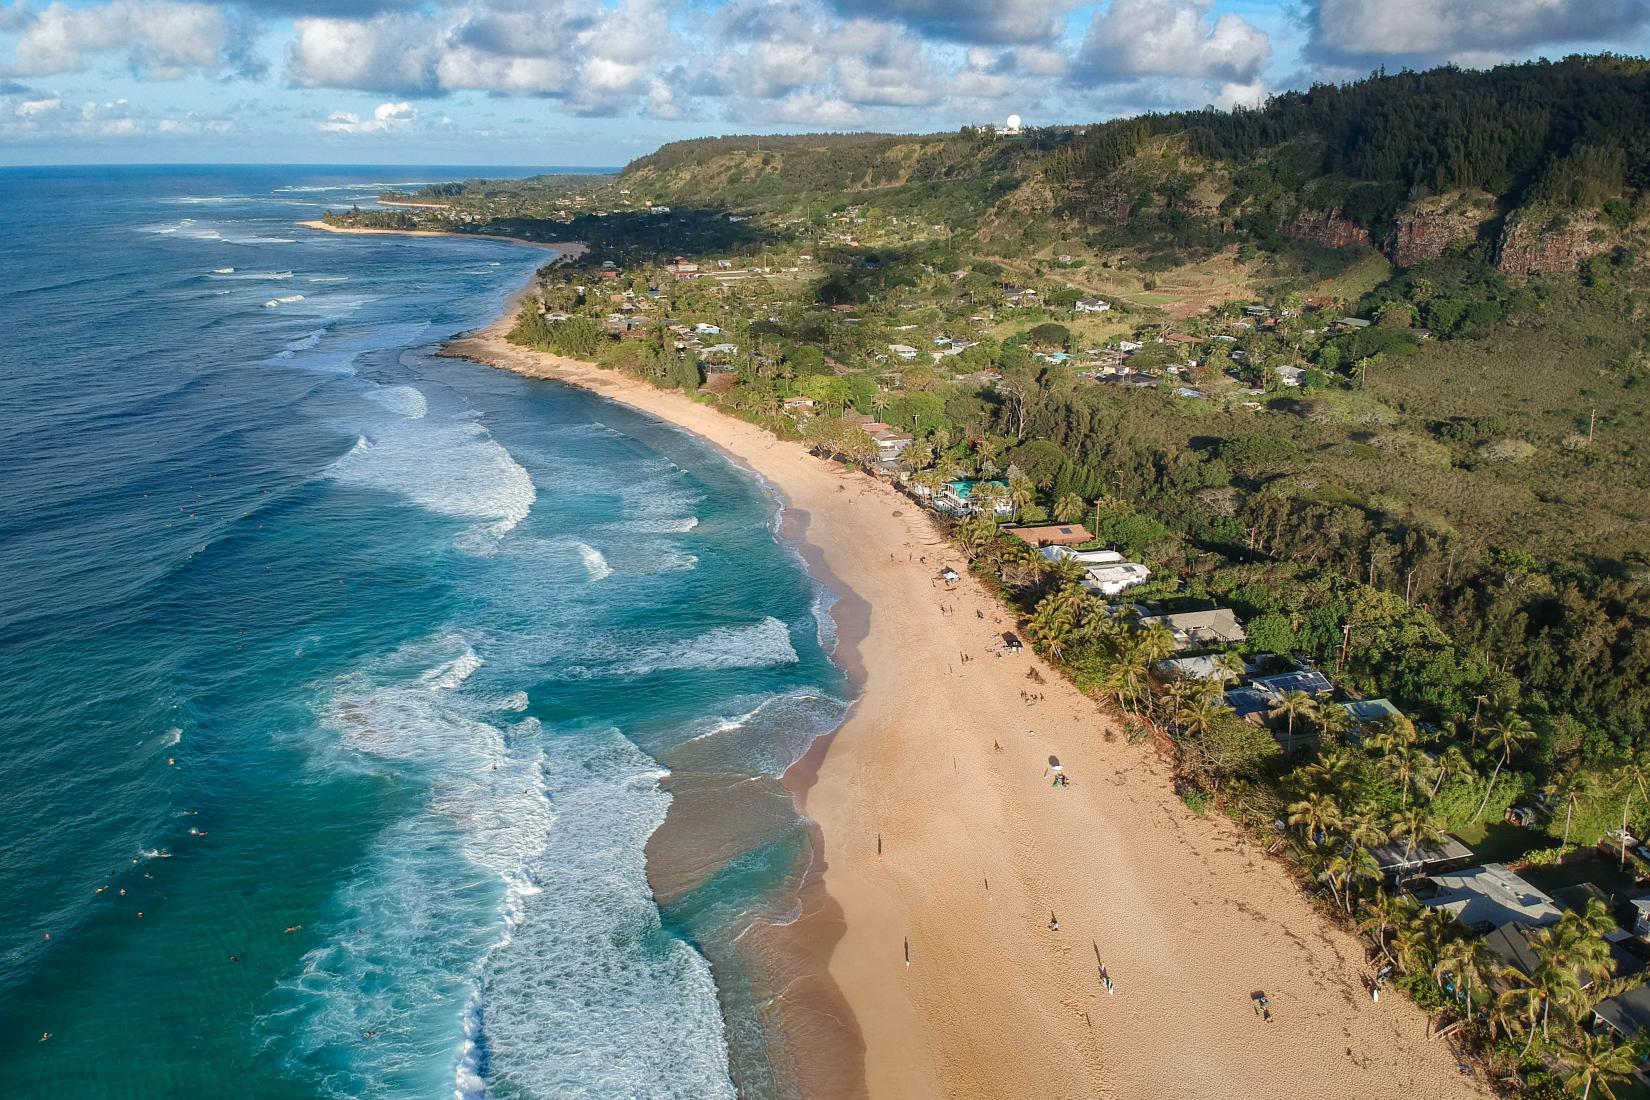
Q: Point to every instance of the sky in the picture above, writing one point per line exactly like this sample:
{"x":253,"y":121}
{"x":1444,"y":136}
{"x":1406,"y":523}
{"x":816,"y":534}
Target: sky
{"x":599,"y":82}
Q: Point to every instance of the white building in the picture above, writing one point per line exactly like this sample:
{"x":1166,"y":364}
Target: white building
{"x":1092,"y":305}
{"x":903,"y":351}
{"x":1116,"y":577}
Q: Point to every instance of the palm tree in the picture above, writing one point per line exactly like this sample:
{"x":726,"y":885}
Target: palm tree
{"x":1296,"y":704}
{"x":1598,"y":1060}
{"x":1420,"y":941}
{"x":1070,"y":508}
{"x":1053,"y":623}
{"x":1418,"y":826}
{"x":1351,"y":865}
{"x":1316,"y":814}
{"x":1507,"y":734}
{"x":1388,"y":913}
{"x":1466,"y":961}
{"x":1568,"y":789}
{"x":1452,"y":762}
{"x":879,"y":402}
{"x":1332,"y":770}
{"x":1407,"y":761}
{"x":1333,"y":722}
{"x":1365,"y":828}
{"x":1529,"y":997}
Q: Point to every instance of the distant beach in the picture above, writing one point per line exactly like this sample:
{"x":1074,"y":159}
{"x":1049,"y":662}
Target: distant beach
{"x":946,"y":852}
{"x":570,"y":250}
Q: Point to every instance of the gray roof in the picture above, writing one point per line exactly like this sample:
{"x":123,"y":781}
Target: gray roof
{"x":1491,"y":894}
{"x":1510,"y":946}
{"x":1197,"y":629}
{"x":1627,"y":1014}
{"x":1392,"y":855}
{"x":1309,"y":681}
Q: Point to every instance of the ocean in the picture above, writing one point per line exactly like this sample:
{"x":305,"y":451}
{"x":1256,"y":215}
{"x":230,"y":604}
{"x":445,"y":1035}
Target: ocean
{"x":346,"y":686}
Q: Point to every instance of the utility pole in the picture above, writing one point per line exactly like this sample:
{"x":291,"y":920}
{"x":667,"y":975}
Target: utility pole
{"x":1346,"y":644}
{"x":1592,"y":422}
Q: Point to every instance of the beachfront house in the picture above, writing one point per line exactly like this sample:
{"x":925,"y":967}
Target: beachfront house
{"x":1087,"y":557}
{"x":1216,"y":667}
{"x":1308,"y":680}
{"x":1491,"y":895}
{"x":1397,"y":859}
{"x":1200,"y":629}
{"x":1627,"y":1015}
{"x":1063,"y":534}
{"x":1115,"y":578}
{"x":891,"y":444}
{"x":954,"y":499}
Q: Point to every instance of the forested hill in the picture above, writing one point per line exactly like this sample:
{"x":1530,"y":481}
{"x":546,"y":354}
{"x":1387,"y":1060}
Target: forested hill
{"x":1546,"y":163}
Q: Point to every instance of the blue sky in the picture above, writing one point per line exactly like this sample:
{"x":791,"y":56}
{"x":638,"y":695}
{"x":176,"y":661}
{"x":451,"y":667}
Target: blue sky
{"x":597,"y":82}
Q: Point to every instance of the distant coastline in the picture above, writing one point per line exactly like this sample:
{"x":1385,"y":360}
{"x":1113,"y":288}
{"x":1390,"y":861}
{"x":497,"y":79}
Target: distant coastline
{"x":566,"y":250}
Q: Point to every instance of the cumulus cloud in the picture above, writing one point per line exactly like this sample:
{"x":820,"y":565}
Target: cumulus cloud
{"x":991,"y":22}
{"x":160,"y":40}
{"x":385,"y":118}
{"x":386,"y":54}
{"x":1172,"y":38}
{"x":1357,"y":32}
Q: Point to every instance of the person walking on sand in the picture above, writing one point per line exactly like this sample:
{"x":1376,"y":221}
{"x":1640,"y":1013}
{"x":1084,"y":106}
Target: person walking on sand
{"x":1053,"y":922}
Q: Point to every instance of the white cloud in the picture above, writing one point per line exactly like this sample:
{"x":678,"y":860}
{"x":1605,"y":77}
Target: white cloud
{"x":1173,"y":38}
{"x":160,"y":40}
{"x":386,"y":117}
{"x":388,"y":54}
{"x":1429,"y":31}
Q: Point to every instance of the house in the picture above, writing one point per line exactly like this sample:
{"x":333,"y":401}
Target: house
{"x":1351,"y":323}
{"x":1396,"y":859}
{"x":1491,"y":895}
{"x":1129,"y":345}
{"x":1291,"y":376}
{"x":1627,"y":1015}
{"x":1364,"y":712}
{"x":904,"y":352}
{"x":1011,"y":642}
{"x":891,"y":444}
{"x":703,"y":329}
{"x":1092,"y":305}
{"x":1200,"y":629}
{"x":1249,"y":704}
{"x":953,"y":499}
{"x":1065,"y":534}
{"x":799,"y":404}
{"x":1114,"y":578}
{"x":1213,"y":666}
{"x":1641,"y":915}
{"x":720,"y":351}
{"x":1087,"y":557}
{"x":1308,"y":680}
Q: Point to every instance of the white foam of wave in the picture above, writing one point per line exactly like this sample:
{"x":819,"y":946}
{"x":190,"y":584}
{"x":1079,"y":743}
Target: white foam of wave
{"x":595,"y":565}
{"x":329,"y":278}
{"x":409,"y":401}
{"x":764,"y":644}
{"x":451,"y":467}
{"x":662,"y":525}
{"x":197,"y":200}
{"x":257,"y":276}
{"x":587,"y":996}
{"x":772,"y":732}
{"x":284,"y":300}
{"x":549,"y":974}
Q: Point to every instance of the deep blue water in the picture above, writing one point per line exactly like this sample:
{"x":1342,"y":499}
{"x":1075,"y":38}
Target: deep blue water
{"x":339,"y":679}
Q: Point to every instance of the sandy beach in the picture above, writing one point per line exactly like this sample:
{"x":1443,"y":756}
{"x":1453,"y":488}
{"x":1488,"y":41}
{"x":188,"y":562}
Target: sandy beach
{"x":570,"y":250}
{"x":946,"y":849}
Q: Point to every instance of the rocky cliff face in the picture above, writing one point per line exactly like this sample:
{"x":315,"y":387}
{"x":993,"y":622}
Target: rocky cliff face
{"x":1535,"y":242}
{"x":1426,"y":230}
{"x":1325,"y":228}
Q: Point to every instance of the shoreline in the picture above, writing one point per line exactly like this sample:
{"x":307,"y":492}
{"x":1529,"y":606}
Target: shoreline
{"x":925,"y":915}
{"x":568,"y":250}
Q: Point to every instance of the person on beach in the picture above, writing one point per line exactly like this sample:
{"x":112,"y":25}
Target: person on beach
{"x":1053,"y":922}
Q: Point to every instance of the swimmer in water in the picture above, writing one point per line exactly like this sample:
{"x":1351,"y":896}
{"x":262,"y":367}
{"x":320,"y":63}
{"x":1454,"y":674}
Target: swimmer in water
{"x":293,"y":929}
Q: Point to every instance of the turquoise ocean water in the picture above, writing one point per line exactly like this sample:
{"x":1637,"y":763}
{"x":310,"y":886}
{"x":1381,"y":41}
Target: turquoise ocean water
{"x":339,"y":679}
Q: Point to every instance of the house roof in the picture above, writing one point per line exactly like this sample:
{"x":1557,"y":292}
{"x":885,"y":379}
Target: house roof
{"x":1191,"y":668}
{"x":1394,"y":855}
{"x":1491,"y":894}
{"x":1307,"y":680}
{"x":1063,"y":534}
{"x":1195,"y":629}
{"x":1362,"y":711}
{"x":1512,"y":948}
{"x":1246,"y":701}
{"x":1628,"y":1014}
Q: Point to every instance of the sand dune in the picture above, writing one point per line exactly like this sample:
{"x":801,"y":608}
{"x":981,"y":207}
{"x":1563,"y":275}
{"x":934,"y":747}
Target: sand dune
{"x":978,"y":848}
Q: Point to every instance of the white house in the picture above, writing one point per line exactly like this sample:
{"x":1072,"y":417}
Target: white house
{"x":1114,"y":578}
{"x":1129,"y":345}
{"x":1291,"y":376}
{"x":703,"y":329}
{"x":904,"y":351}
{"x":1087,"y":557}
{"x":1092,"y":305}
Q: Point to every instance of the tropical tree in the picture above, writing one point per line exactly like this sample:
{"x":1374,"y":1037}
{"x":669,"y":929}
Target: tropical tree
{"x":1505,"y":736}
{"x":1315,"y":815}
{"x":1464,"y":963}
{"x":1296,"y":704}
{"x":1418,"y":826}
{"x":1350,"y":865}
{"x":1385,"y":915}
{"x":1597,"y":1061}
{"x":1452,"y":763}
{"x":1070,"y":508}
